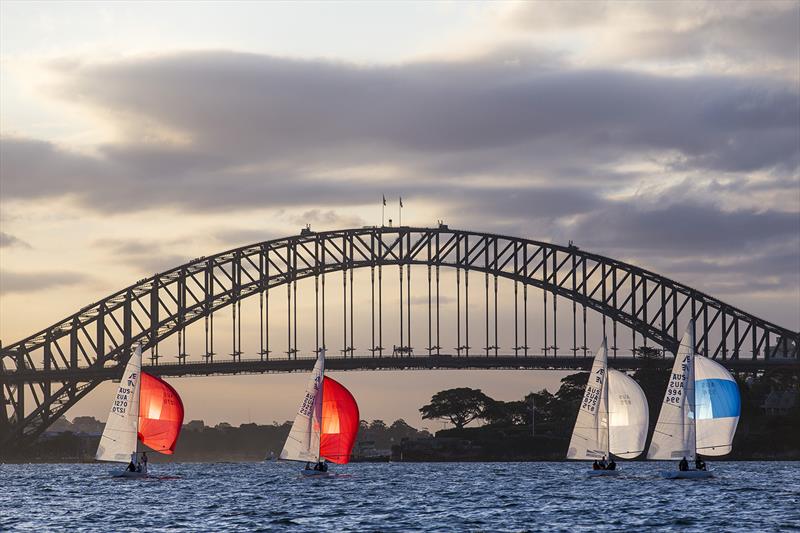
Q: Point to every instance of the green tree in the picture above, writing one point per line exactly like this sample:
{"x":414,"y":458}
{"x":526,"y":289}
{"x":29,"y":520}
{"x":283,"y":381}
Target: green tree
{"x":460,"y":406}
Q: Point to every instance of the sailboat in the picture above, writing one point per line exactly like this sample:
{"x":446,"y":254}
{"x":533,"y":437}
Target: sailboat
{"x":145,"y":409}
{"x":700,"y":411}
{"x":326,"y":424}
{"x":613,"y":417}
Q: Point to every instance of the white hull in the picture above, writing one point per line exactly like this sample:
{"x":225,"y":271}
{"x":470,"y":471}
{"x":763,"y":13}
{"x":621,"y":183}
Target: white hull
{"x":310,"y":472}
{"x":603,"y":473}
{"x":128,"y":474}
{"x":686,"y":474}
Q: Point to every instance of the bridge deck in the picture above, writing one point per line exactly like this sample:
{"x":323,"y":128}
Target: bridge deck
{"x":304,"y":364}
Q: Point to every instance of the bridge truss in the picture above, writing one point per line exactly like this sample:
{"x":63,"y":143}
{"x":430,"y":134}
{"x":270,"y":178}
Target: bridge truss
{"x":44,"y":375}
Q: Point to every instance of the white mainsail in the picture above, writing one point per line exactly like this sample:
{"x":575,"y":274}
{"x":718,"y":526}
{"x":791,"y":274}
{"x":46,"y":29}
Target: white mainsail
{"x":590,"y":435}
{"x":120,"y":435}
{"x":302,"y":444}
{"x":718,"y":407}
{"x":628,"y":416}
{"x":674,"y":436}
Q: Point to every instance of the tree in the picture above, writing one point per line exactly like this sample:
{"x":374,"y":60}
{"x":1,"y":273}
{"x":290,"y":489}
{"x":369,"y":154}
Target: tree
{"x":378,"y":425}
{"x":460,"y":406}
{"x":502,"y":413}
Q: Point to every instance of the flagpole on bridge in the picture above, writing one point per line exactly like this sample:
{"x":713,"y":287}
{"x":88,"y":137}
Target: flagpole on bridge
{"x":400,"y":213}
{"x":383,"y":210}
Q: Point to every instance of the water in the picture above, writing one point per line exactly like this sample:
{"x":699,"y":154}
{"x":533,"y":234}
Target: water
{"x":746,"y":496}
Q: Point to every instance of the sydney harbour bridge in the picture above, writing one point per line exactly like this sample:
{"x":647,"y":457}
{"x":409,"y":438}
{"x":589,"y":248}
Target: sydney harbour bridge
{"x":479,"y":301}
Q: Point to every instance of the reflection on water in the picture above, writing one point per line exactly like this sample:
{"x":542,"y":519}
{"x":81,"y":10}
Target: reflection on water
{"x":398,"y":497}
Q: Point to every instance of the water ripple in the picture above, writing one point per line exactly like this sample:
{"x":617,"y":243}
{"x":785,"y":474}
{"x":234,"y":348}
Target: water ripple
{"x":397,"y":497}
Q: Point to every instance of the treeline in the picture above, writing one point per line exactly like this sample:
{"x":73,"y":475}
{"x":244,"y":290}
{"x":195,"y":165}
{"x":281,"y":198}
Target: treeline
{"x":223,"y":442}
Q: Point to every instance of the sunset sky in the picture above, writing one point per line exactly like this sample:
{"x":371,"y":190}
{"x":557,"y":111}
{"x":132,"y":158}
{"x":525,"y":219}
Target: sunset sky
{"x":136,"y":136}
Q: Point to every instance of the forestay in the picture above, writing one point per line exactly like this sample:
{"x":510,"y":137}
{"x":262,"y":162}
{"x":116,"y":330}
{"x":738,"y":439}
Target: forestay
{"x":590,"y":435}
{"x":302,"y":444}
{"x":119,"y":436}
{"x":628,"y":415}
{"x":674,"y":436}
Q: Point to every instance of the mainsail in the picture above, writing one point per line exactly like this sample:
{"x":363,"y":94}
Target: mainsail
{"x":674,"y":436}
{"x":302,"y":443}
{"x":339,"y":422}
{"x":590,"y":435}
{"x":119,"y":436}
{"x":718,"y":407}
{"x":628,"y":416}
{"x":160,"y":414}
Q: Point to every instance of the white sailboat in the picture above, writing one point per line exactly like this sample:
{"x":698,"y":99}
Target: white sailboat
{"x":121,"y":435}
{"x":699,"y":414}
{"x":326,"y":424}
{"x":145,"y":409}
{"x":613,"y":417}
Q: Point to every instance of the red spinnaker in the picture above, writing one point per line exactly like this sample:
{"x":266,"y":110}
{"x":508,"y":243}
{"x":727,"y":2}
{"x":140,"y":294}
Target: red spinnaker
{"x":160,"y":414}
{"x":339,"y":422}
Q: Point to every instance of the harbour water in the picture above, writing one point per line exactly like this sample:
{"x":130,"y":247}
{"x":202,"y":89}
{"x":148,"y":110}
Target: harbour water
{"x":745,"y":496}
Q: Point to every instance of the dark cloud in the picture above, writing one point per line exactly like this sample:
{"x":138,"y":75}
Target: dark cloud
{"x":23,"y":282}
{"x":251,"y":108}
{"x":519,"y":147}
{"x":7,"y":241}
{"x":684,"y":227}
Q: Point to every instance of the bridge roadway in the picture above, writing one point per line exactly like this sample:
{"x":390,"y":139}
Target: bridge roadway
{"x":367,"y":362}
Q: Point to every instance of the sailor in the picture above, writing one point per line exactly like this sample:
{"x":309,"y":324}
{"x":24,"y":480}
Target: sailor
{"x":683,"y":465}
{"x":699,"y":464}
{"x":144,"y":461}
{"x":323,"y":466}
{"x":132,"y":465}
{"x":611,"y":465}
{"x":308,"y":465}
{"x":603,"y":463}
{"x":595,"y":465}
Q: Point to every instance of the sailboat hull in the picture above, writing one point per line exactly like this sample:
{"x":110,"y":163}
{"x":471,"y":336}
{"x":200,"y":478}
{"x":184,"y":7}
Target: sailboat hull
{"x":128,"y":474}
{"x":687,"y":474}
{"x":603,"y":473}
{"x":311,"y":473}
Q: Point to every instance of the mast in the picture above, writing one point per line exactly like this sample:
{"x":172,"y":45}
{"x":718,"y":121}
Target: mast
{"x":694,"y":392}
{"x":138,"y":401}
{"x":605,"y":400}
{"x":322,"y":399}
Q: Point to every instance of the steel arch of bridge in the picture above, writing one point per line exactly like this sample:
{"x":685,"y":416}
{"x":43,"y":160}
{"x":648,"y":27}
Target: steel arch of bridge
{"x":60,"y":364}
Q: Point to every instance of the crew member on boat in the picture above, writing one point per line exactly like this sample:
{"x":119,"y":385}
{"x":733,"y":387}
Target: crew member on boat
{"x":699,"y":464}
{"x":603,"y":463}
{"x":144,"y":461}
{"x":683,"y":465}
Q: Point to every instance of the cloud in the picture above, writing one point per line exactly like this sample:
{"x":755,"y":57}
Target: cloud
{"x":244,"y":130}
{"x":8,"y":241}
{"x":25,"y":282}
{"x":702,"y":168}
{"x":686,"y":227}
{"x":142,"y":255}
{"x":707,"y":35}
